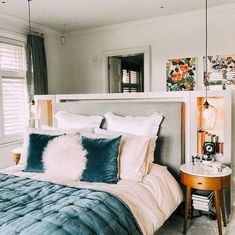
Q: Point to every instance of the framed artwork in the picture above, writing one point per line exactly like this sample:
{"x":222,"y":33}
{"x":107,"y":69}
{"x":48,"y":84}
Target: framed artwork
{"x":221,"y":70}
{"x":181,"y":74}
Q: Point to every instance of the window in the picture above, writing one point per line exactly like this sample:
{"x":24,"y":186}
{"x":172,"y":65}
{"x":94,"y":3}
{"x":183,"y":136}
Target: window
{"x":126,"y":73}
{"x":13,"y":90}
{"x":130,"y":81}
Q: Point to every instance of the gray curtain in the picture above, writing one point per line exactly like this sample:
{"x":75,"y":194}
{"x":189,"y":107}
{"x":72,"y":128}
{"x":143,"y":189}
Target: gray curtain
{"x":36,"y":66}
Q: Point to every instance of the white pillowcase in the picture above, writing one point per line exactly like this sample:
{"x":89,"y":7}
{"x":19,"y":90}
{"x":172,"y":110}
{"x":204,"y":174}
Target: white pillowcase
{"x":64,"y":157}
{"x":69,"y":120}
{"x":52,"y":132}
{"x":149,"y":157}
{"x":143,"y":126}
{"x":132,"y":153}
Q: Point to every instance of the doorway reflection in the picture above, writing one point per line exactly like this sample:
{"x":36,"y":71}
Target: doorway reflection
{"x":126,"y":73}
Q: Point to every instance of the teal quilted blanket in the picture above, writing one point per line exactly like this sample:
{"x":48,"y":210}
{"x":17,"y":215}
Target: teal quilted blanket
{"x":31,"y":207}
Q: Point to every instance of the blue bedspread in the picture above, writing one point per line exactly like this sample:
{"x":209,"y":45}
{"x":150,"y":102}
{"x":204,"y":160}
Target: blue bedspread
{"x":39,"y":208}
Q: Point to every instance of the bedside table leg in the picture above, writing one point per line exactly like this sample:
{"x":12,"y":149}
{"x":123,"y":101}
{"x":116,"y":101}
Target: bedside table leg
{"x":187,"y":205}
{"x":217,"y":207}
{"x":222,"y":207}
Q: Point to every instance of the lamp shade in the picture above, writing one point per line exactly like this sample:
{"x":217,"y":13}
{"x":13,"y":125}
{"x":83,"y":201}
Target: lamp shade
{"x":207,"y":116}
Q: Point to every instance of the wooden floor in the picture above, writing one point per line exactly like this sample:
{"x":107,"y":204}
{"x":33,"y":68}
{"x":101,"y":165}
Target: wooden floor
{"x":202,"y":225}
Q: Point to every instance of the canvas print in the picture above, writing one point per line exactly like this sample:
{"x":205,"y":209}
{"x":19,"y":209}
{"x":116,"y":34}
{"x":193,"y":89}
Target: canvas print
{"x":221,"y":69}
{"x":181,"y":74}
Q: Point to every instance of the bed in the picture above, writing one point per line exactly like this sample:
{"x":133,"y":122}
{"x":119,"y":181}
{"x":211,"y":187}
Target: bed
{"x":128,"y":207}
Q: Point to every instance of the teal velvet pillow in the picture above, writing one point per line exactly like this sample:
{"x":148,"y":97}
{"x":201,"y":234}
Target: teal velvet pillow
{"x":102,"y":162}
{"x":37,"y":143}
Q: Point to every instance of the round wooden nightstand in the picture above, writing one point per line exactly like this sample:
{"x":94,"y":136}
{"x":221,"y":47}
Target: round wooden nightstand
{"x":204,"y":178}
{"x":16,"y":154}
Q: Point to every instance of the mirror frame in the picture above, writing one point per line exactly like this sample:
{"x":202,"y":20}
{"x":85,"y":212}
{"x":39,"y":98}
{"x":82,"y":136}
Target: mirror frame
{"x":125,"y":52}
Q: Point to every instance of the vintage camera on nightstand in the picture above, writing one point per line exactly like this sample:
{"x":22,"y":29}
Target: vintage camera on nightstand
{"x":209,"y":148}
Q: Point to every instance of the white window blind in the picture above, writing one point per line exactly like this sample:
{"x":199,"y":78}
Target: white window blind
{"x":133,"y":78}
{"x":130,"y":81}
{"x":11,"y":57}
{"x":125,"y":76}
{"x":14,"y":105}
{"x":13,"y":91}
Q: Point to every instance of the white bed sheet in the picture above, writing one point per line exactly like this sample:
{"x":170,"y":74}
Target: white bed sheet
{"x":151,"y":201}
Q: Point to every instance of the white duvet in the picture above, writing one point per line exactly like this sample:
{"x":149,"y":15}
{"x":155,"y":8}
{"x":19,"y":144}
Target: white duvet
{"x":151,"y":201}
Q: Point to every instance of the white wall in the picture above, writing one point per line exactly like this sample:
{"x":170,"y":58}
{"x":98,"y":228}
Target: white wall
{"x":54,"y":62}
{"x":169,"y":37}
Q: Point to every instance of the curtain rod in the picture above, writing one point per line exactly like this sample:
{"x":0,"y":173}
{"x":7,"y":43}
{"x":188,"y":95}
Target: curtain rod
{"x":37,"y":33}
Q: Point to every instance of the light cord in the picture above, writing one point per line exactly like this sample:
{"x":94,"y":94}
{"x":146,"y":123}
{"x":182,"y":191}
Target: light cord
{"x":206,"y":69}
{"x":29,"y":14}
{"x":30,"y":33}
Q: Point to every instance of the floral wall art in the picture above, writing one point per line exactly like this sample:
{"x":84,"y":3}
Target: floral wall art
{"x":181,"y":74}
{"x":221,"y":70}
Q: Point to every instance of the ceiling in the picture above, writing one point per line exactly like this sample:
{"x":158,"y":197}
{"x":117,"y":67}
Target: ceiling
{"x":72,"y":15}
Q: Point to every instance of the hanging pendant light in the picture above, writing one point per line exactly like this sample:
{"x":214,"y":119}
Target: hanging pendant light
{"x":32,"y":104}
{"x":29,"y":17}
{"x":206,"y":111}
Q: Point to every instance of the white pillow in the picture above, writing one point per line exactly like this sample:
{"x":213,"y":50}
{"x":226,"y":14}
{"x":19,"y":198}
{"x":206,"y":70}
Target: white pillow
{"x":143,"y":126}
{"x":151,"y":148}
{"x":52,"y":132}
{"x":69,"y":120}
{"x":132,"y":154}
{"x":64,"y":157}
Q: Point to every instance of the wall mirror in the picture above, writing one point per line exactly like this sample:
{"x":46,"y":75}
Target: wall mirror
{"x":126,"y":73}
{"x":127,"y":70}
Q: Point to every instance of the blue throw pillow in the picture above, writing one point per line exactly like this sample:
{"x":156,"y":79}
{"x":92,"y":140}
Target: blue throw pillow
{"x":37,"y":143}
{"x":102,"y":163}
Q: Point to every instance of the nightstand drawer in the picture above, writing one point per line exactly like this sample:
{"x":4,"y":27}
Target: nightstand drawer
{"x":204,"y":183}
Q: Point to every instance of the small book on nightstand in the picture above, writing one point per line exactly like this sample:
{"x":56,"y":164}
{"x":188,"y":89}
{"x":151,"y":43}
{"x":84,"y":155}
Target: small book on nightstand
{"x":202,"y":200}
